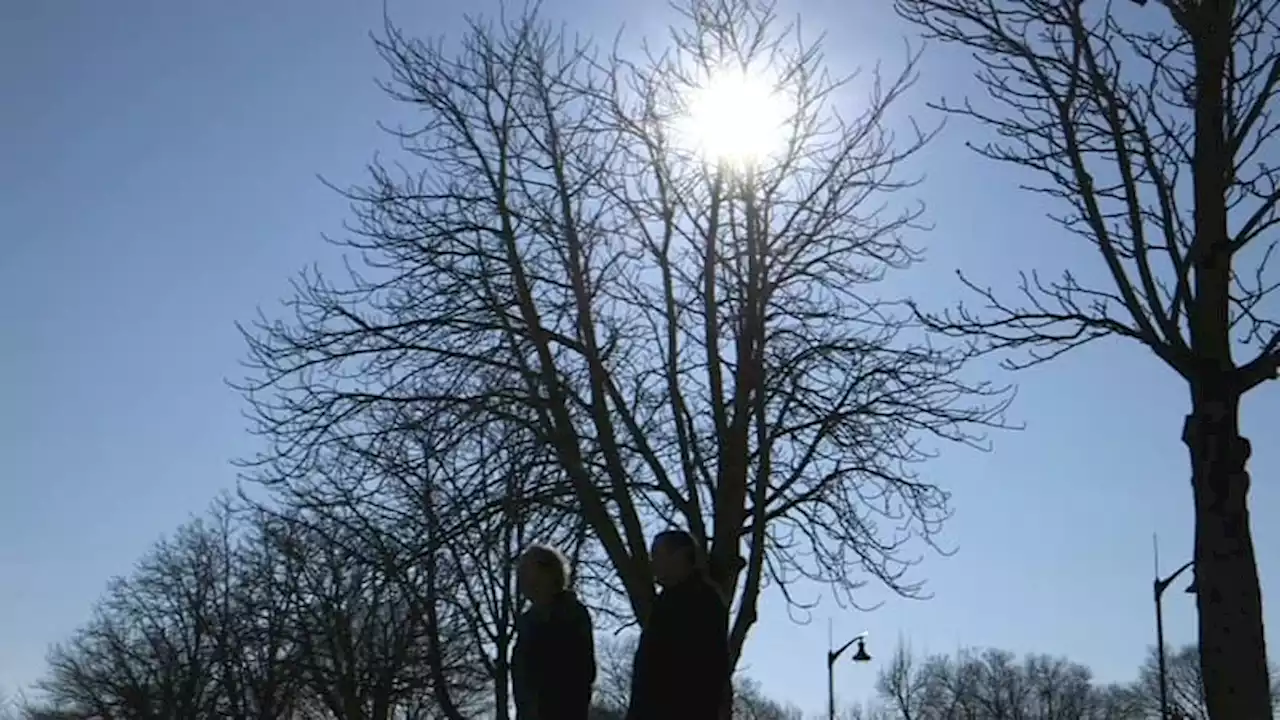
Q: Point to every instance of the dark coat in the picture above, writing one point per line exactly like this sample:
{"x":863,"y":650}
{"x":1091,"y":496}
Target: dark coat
{"x":553,"y":663}
{"x":681,"y":667}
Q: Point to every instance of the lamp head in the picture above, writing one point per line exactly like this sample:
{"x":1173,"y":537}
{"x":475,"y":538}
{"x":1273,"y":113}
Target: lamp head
{"x":860,"y":655}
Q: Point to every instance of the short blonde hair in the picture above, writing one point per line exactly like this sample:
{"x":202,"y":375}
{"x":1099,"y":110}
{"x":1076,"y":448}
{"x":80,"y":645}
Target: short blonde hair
{"x":550,"y":561}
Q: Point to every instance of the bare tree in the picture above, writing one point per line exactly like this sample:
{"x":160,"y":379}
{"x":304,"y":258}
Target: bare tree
{"x":904,"y":689}
{"x":255,"y":658}
{"x":614,"y":658}
{"x":1186,"y":686}
{"x":994,"y":685}
{"x":1116,"y":701}
{"x":481,"y":511}
{"x":444,"y":507}
{"x":148,"y":652}
{"x":260,"y":616}
{"x":613,"y":685}
{"x":1152,"y":129}
{"x":1187,"y":697}
{"x":750,"y":703}
{"x":363,"y":644}
{"x":679,"y":342}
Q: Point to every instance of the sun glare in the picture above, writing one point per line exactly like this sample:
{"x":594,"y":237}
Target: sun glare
{"x":736,"y":118}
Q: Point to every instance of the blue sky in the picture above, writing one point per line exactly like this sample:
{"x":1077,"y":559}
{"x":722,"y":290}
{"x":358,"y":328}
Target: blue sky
{"x":158,"y":176}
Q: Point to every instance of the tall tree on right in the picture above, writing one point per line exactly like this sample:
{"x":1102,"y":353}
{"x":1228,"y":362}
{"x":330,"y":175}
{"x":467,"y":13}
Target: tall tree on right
{"x":1150,"y":124}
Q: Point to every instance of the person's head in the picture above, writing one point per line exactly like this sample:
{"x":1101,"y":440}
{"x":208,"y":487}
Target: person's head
{"x":542,"y":573}
{"x":675,"y":557}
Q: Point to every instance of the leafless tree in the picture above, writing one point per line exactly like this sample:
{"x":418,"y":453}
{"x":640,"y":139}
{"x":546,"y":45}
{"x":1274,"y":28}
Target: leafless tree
{"x":901,"y":686}
{"x":254,"y":658}
{"x":614,"y":657}
{"x":613,"y":685}
{"x":994,"y":685}
{"x":148,"y":651}
{"x":444,"y":508}
{"x":751,"y":703}
{"x":1116,"y":701}
{"x":363,"y":642}
{"x":1187,"y":695}
{"x":483,"y":509}
{"x":1151,"y":127}
{"x":676,"y":341}
{"x":254,"y":615}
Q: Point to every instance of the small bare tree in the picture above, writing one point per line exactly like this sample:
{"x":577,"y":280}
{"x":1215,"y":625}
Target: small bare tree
{"x":364,"y":646}
{"x":677,"y":341}
{"x":149,"y":650}
{"x":1152,"y":128}
{"x":614,"y":657}
{"x":994,"y":685}
{"x":904,"y":689}
{"x":1187,"y":695}
{"x":751,"y":703}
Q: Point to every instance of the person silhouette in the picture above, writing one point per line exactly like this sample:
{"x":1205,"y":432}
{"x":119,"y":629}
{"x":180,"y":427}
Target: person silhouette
{"x":681,"y":669}
{"x":553,"y":664}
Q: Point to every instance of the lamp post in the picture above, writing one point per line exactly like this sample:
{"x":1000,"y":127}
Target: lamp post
{"x":1159,"y":585}
{"x":859,"y":655}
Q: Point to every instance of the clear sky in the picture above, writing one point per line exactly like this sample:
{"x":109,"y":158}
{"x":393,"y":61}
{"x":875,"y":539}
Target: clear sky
{"x":157,"y":183}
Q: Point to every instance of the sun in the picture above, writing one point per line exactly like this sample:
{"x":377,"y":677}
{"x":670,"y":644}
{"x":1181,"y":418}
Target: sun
{"x":735,"y":117}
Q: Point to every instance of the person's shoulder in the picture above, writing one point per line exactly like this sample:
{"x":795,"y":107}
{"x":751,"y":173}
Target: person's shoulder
{"x":709,"y":593}
{"x":696,"y":591}
{"x":525,"y":621}
{"x":572,"y":609}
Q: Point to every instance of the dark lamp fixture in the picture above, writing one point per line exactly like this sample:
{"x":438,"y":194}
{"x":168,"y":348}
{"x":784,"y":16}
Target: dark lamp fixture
{"x":861,"y":654}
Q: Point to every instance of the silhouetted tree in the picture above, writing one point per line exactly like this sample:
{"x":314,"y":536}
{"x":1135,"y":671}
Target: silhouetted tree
{"x":1152,"y":128}
{"x":254,"y":656}
{"x":362,"y":641}
{"x":443,"y":508}
{"x":1185,"y":683}
{"x":259,"y":615}
{"x":614,"y":657}
{"x":994,"y":685}
{"x":149,"y":650}
{"x":750,"y":703}
{"x":665,"y":339}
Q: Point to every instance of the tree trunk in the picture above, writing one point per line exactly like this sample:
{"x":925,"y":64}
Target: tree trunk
{"x":501,"y":680}
{"x":1228,"y":597}
{"x":726,"y":705}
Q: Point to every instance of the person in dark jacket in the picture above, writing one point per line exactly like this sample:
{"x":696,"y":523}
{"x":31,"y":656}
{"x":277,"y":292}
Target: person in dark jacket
{"x":681,"y":669}
{"x":553,"y":663}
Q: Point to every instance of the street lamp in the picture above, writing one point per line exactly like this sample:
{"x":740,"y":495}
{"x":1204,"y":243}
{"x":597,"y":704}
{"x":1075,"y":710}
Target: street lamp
{"x":1159,"y":585}
{"x":859,"y":655}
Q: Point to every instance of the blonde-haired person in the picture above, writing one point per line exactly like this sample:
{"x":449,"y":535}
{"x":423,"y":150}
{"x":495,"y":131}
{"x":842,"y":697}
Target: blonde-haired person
{"x":553,"y":663}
